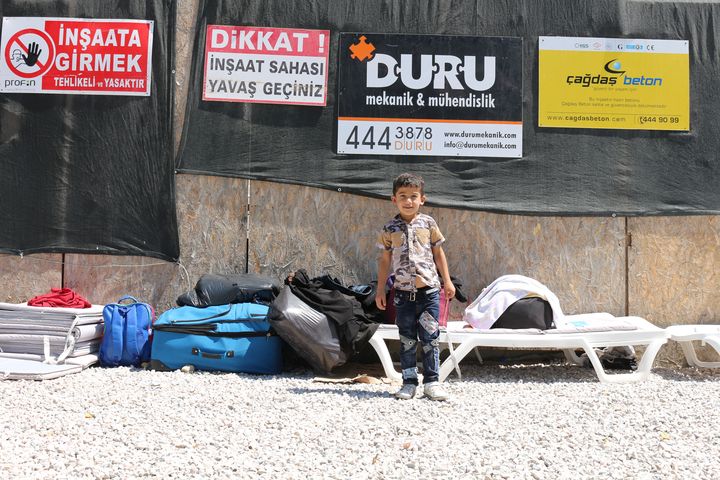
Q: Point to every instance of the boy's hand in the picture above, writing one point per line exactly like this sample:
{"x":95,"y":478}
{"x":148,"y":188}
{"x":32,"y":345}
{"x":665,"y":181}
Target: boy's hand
{"x":449,"y":290}
{"x":380,"y":300}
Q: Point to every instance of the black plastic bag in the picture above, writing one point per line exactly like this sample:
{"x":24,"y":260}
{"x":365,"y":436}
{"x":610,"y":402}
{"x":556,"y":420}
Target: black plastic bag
{"x":309,"y":332}
{"x":225,"y":289}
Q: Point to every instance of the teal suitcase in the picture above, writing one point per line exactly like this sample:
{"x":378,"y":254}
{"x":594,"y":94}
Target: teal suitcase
{"x":226,"y":338}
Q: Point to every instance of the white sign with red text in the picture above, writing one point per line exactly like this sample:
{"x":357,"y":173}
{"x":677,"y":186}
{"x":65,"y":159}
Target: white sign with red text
{"x":266,"y":65}
{"x":76,"y":56}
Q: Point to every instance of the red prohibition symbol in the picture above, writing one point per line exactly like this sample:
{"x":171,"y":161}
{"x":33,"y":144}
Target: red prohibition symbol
{"x":21,"y":41}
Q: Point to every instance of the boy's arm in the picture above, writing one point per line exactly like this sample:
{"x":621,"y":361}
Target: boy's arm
{"x":442,"y":266}
{"x":383,"y":271}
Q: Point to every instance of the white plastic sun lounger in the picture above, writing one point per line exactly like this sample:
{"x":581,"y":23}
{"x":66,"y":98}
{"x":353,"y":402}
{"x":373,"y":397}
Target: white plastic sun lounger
{"x":586,"y":332}
{"x":685,"y":335}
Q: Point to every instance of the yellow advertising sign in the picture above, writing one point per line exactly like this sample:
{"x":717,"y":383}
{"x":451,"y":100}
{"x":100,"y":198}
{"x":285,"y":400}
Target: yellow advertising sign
{"x":614,"y":83}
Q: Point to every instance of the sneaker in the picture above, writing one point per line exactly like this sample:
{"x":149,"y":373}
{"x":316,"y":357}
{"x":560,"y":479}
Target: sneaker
{"x":435,"y":391}
{"x":407,"y":392}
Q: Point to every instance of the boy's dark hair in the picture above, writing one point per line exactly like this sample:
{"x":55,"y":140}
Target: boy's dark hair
{"x":408,"y":180}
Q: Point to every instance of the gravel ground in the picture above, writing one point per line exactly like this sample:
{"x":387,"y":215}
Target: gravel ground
{"x":541,"y":421}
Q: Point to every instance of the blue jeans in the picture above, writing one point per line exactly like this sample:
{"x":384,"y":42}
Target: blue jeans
{"x":417,"y":319}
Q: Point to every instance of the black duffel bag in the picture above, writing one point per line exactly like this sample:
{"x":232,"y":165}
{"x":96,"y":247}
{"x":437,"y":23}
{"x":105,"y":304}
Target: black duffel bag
{"x":214,"y":289}
{"x":531,"y":312}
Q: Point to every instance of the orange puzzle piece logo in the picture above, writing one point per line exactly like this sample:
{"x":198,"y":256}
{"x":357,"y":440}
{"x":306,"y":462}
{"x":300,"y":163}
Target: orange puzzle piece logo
{"x":362,"y":50}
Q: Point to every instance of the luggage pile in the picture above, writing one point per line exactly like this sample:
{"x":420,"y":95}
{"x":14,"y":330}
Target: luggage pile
{"x":228,"y":323}
{"x":220,"y":326}
{"x":239,"y":323}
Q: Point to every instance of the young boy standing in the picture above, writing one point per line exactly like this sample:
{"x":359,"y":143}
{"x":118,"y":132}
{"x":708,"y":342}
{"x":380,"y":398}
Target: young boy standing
{"x":411,"y":245}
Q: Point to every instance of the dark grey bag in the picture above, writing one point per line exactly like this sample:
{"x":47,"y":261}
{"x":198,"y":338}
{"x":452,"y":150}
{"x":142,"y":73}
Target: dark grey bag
{"x":226,"y":289}
{"x":532,"y":312}
{"x":309,"y":332}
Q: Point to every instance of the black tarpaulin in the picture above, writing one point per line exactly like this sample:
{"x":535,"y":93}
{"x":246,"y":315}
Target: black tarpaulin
{"x":562,"y":171}
{"x":91,"y":173}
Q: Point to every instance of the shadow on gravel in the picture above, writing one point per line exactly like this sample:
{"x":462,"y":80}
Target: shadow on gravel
{"x":563,"y":373}
{"x":350,"y":391}
{"x":524,"y":373}
{"x":504,"y":372}
{"x":688,"y":374}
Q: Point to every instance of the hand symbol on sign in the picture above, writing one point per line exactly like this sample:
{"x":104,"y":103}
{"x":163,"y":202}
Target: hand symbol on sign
{"x":34,"y":52}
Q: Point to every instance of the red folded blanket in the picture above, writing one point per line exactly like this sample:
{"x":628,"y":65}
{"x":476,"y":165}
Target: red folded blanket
{"x":59,"y":297}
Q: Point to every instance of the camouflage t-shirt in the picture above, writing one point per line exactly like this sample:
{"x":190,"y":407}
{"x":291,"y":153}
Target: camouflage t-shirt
{"x":411,"y":245}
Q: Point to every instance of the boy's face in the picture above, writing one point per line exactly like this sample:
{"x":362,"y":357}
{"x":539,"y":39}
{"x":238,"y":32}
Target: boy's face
{"x":408,"y":200}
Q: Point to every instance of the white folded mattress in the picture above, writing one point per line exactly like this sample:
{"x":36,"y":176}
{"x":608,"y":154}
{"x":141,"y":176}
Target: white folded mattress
{"x":50,"y":331}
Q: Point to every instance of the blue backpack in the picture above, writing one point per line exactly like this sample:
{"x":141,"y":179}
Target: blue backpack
{"x":126,"y":340}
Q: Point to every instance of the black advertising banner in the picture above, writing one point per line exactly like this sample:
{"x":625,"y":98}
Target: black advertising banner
{"x":559,"y":171}
{"x":435,"y":95}
{"x":90,"y":169}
